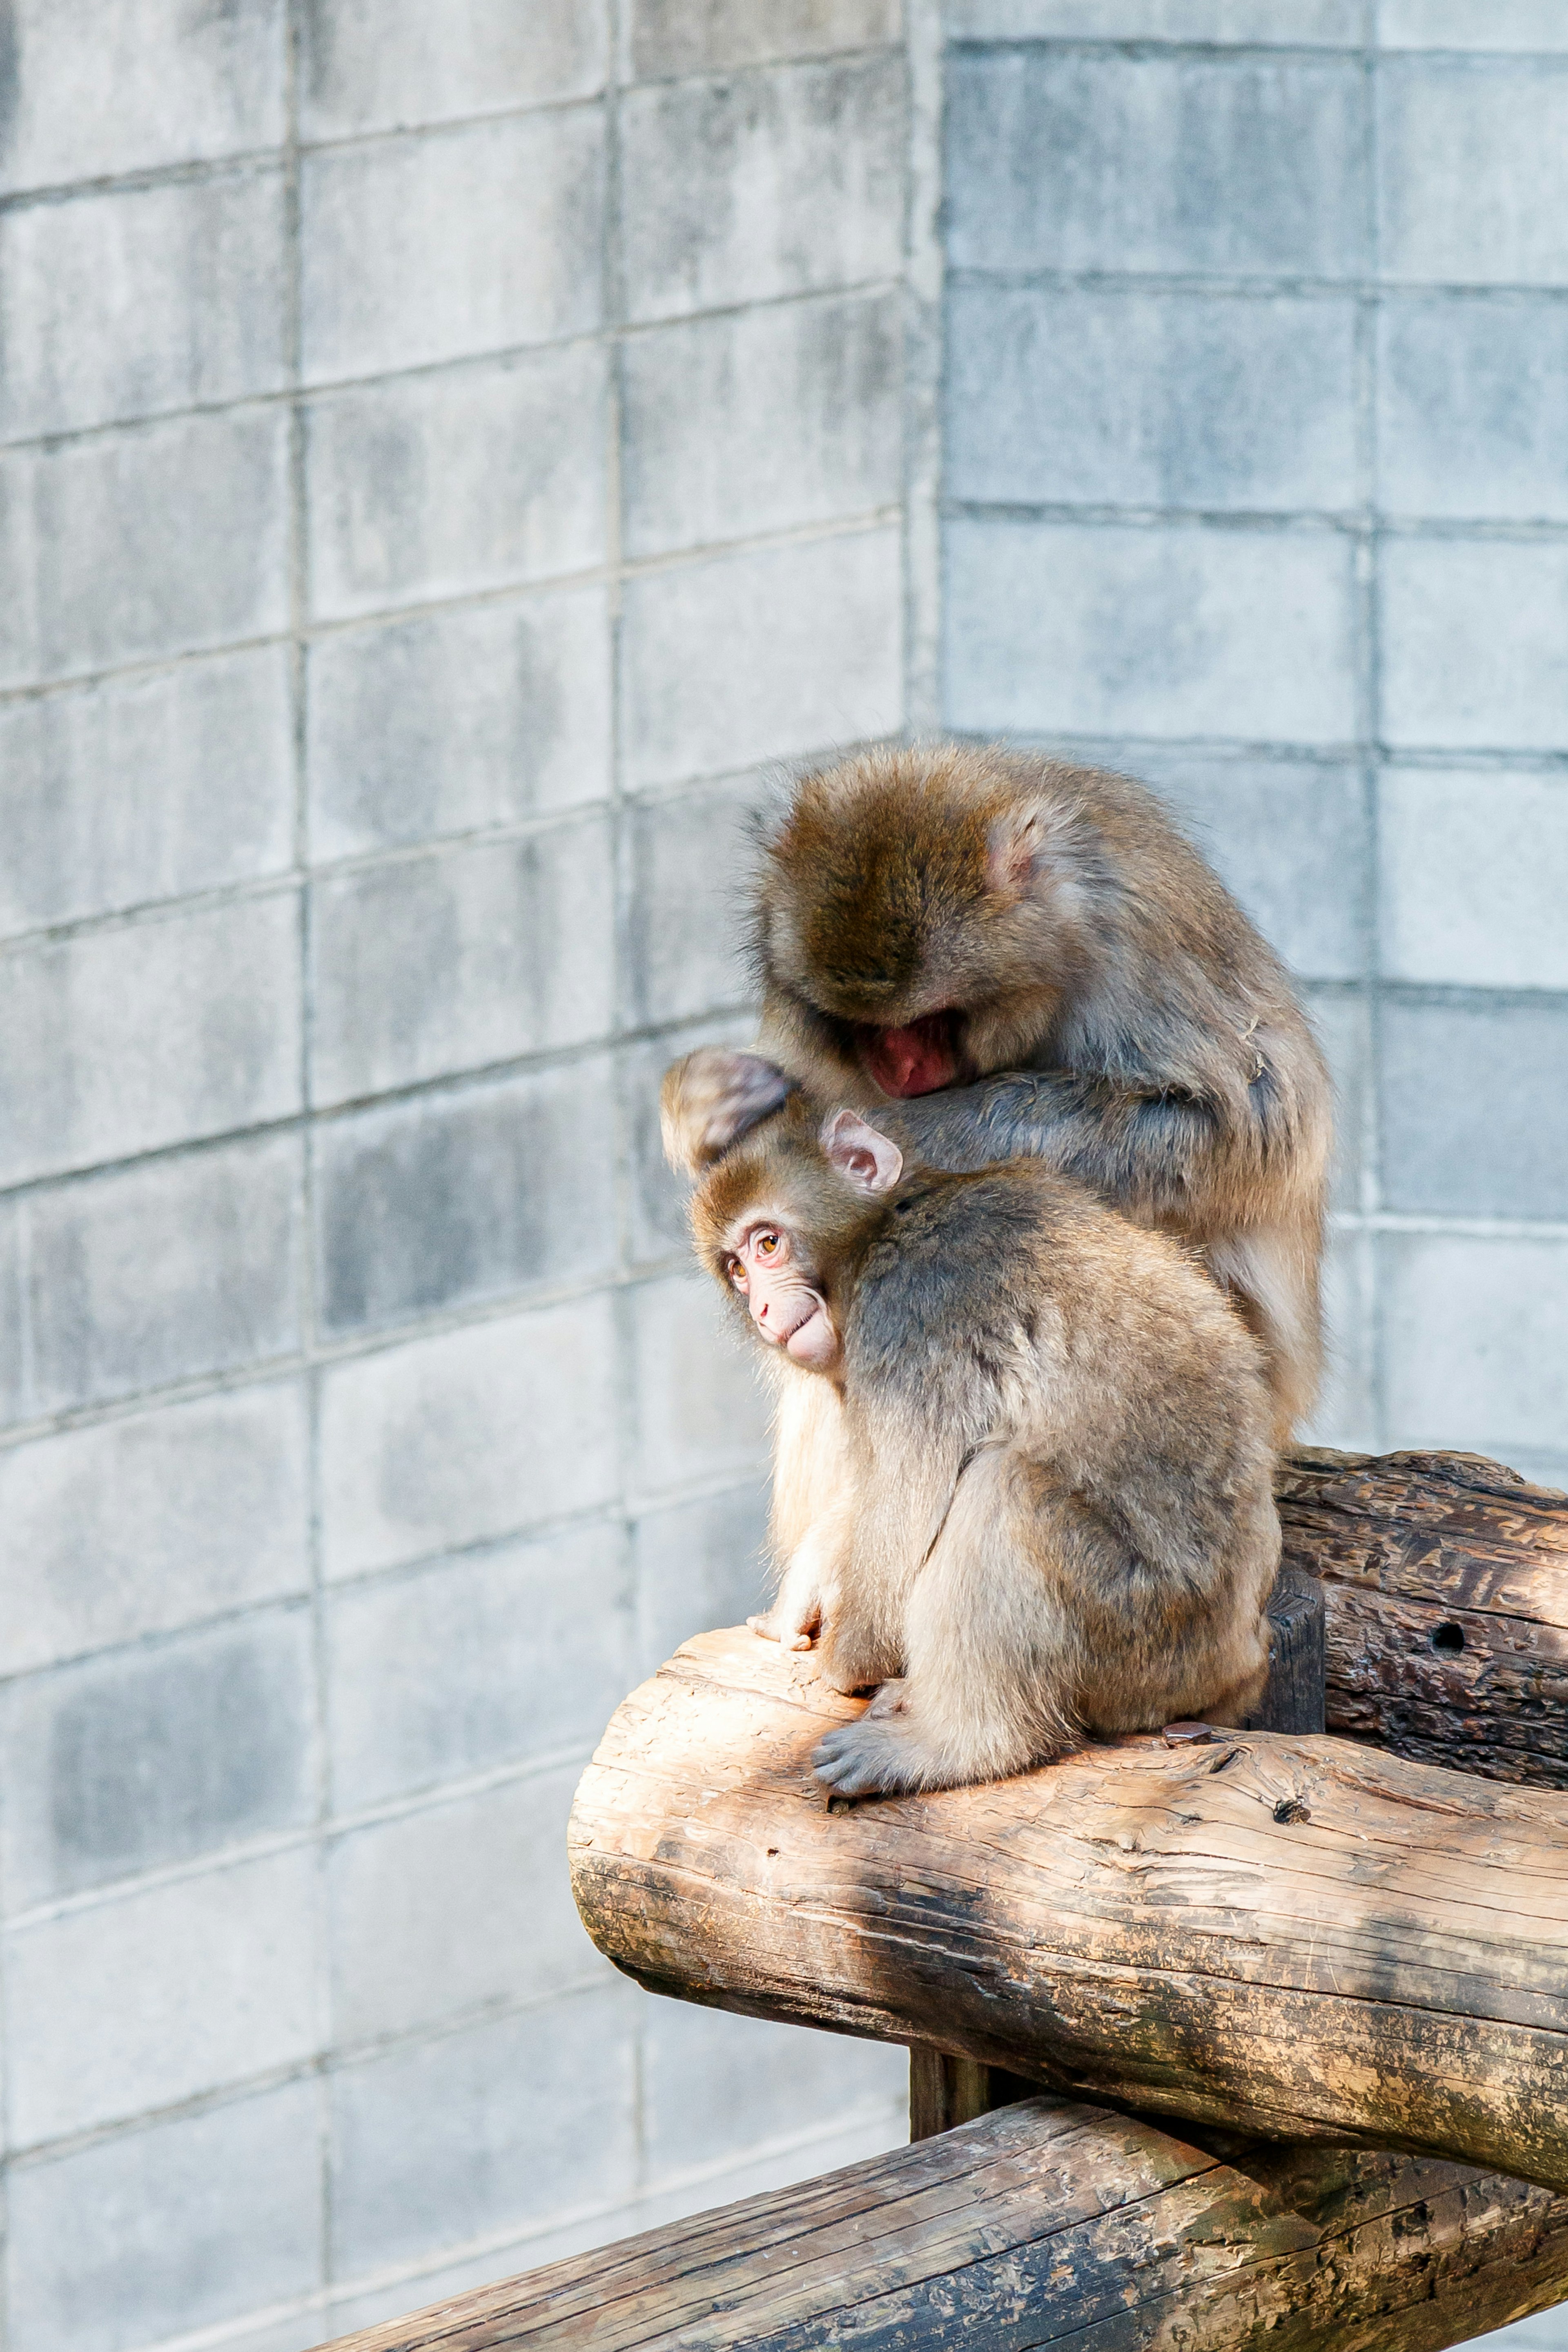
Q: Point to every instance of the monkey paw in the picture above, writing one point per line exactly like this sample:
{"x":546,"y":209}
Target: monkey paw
{"x":782,"y":1629}
{"x":714,"y":1096}
{"x":878,"y":1755}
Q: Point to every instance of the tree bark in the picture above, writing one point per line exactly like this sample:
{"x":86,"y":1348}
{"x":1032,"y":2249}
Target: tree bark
{"x":1051,"y":2223}
{"x":1298,"y":1937}
{"x":1446,"y":1580}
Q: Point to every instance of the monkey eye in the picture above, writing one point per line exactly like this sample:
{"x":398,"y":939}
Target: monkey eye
{"x":736,"y":1272}
{"x":766,"y":1244}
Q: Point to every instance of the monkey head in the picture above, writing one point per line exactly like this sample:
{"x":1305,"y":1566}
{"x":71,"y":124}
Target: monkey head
{"x":920,"y":915}
{"x":784,"y":1218}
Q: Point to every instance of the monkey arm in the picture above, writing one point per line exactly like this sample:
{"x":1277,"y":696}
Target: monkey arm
{"x":1154,"y":1149}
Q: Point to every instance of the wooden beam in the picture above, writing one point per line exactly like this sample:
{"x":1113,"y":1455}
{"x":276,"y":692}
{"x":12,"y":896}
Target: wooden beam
{"x":1043,"y":2224}
{"x":1298,"y":1937}
{"x":1445,"y":1578}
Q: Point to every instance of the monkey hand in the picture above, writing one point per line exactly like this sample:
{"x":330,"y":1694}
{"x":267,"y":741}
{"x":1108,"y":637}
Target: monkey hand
{"x":797,"y":1628}
{"x":712,"y":1097}
{"x":878,"y":1755}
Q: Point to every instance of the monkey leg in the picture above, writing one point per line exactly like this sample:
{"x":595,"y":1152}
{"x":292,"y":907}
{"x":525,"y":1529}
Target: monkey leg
{"x":994,"y":1661}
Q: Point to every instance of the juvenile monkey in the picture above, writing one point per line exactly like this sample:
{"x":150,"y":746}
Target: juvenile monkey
{"x":1048,"y":1507}
{"x":927,"y":919}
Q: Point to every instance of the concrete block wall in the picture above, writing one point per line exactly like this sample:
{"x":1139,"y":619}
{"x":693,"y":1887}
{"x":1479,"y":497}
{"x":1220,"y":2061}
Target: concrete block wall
{"x":444,"y":458}
{"x":1253,"y":483}
{"x":443,"y":453}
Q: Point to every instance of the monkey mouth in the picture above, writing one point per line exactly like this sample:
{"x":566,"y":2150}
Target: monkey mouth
{"x":920,"y":1058}
{"x":810,"y":1339}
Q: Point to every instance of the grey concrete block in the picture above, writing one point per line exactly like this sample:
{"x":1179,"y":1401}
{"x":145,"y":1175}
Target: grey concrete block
{"x":759,"y":657}
{"x":457,"y":721}
{"x":1472,"y":644}
{"x":1544,"y":2333}
{"x":1180,"y":630}
{"x":1530,"y":24}
{"x":485,"y":476}
{"x":864,"y":2132}
{"x":1341,"y":1022}
{"x":467,"y":1435}
{"x":16,"y":1364}
{"x":689,"y":860}
{"x":1470,"y":421}
{"x":1291,"y":839}
{"x":463,"y":1906}
{"x":214,"y":1981}
{"x":145,"y":787}
{"x":760,"y":420}
{"x":197,"y":315}
{"x":698,"y":1565}
{"x":703,"y":1400}
{"x":369,"y":68}
{"x":163,"y":539}
{"x":1474,"y":1341}
{"x":515,"y":2120}
{"x":1474,"y":1108}
{"x":154,"y":1756}
{"x":714,"y":2085}
{"x":151,"y":1522}
{"x":387,"y":283}
{"x":1474,"y":878}
{"x":1105,"y":396}
{"x":157,"y":2232}
{"x":458,"y":1198}
{"x":683,"y":36}
{"x":1245,"y":166}
{"x":120,"y":1042}
{"x":1334,"y":22}
{"x":461,"y":959}
{"x":164,"y":1272}
{"x":95,"y":89}
{"x":658,"y":1196}
{"x":490,"y":1659}
{"x":1473,"y":171}
{"x":773,"y":182}
{"x":1347,"y":1412}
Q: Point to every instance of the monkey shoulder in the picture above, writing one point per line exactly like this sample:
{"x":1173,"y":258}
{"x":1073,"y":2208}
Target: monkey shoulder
{"x":958,"y":1275}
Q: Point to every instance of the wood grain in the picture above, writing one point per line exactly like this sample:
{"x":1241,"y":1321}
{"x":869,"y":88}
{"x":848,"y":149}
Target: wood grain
{"x":1051,"y":2223}
{"x":1445,"y":1578}
{"x":1298,"y":1937}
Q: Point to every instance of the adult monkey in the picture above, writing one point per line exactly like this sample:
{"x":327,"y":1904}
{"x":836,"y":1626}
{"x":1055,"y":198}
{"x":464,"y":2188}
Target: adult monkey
{"x":1030,"y":961}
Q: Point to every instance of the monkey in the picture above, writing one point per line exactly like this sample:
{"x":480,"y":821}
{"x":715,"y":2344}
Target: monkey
{"x":995,"y":954}
{"x":1048,"y":1507}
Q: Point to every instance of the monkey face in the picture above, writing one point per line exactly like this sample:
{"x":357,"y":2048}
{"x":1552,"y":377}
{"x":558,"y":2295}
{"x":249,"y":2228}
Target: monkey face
{"x":787,"y":1308}
{"x":917,"y":918}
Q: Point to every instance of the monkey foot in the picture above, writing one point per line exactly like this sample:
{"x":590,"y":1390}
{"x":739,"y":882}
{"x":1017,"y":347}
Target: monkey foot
{"x":878,"y":1755}
{"x":788,"y":1637}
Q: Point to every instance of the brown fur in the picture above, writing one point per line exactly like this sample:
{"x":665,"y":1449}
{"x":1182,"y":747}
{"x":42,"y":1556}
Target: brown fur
{"x":1033,"y":1497}
{"x":1153,"y":1044}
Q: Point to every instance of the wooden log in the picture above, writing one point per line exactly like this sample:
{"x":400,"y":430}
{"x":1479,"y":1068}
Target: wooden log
{"x":946,"y":2089}
{"x":1446,"y":1580}
{"x":1050,"y":2223}
{"x":1298,"y":1937}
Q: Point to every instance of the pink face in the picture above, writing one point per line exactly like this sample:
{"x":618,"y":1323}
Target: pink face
{"x":786,"y":1307}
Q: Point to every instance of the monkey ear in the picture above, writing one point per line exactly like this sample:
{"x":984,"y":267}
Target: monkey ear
{"x":1013,"y":852}
{"x":872,"y":1162}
